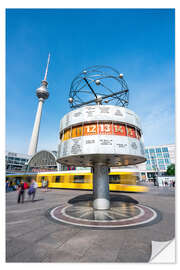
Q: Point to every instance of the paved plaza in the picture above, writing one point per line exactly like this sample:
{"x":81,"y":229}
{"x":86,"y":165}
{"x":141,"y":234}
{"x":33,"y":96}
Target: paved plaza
{"x":32,"y":236}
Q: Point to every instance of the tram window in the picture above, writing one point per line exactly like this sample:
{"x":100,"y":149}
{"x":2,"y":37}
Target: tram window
{"x":114,"y":179}
{"x":79,"y":179}
{"x":57,"y":180}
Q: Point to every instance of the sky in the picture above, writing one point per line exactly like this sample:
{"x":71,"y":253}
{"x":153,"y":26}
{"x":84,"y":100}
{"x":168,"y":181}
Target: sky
{"x":140,"y":43}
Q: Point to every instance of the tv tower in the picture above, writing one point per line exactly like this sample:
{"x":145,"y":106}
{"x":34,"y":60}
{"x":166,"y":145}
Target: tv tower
{"x":42,"y":94}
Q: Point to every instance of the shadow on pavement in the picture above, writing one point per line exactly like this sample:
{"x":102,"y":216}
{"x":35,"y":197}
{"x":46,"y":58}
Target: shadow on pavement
{"x":113,"y":198}
{"x":30,"y":201}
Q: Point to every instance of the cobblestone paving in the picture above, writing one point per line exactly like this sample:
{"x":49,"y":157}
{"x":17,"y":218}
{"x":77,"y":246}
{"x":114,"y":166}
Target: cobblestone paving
{"x":32,"y":237}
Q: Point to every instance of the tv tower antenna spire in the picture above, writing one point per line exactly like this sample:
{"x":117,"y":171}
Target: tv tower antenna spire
{"x":42,"y":94}
{"x":45,"y":76}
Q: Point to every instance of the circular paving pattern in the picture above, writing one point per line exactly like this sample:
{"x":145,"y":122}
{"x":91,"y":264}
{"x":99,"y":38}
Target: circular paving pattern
{"x":120,"y":215}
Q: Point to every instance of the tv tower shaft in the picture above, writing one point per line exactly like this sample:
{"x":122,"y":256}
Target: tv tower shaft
{"x":42,"y":94}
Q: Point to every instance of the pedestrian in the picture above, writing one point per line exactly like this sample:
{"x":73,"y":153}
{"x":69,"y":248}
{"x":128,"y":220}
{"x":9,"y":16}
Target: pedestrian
{"x":21,"y":192}
{"x":17,"y":182}
{"x":47,"y":183}
{"x":154,"y":180}
{"x":7,"y":186}
{"x":10,"y":186}
{"x":44,"y":184}
{"x":32,"y":189}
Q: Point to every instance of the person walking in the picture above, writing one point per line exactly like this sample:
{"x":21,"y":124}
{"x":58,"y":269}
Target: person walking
{"x":21,"y":192}
{"x":47,"y":184}
{"x":7,"y":186}
{"x":32,"y":189}
{"x":44,"y":184}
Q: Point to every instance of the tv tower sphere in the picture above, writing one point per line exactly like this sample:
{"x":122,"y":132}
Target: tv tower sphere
{"x":42,"y":91}
{"x":42,"y":94}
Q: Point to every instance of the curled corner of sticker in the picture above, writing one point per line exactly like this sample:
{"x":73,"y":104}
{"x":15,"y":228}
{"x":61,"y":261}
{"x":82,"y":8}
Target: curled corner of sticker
{"x":163,"y":252}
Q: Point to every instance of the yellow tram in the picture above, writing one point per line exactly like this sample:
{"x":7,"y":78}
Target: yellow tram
{"x":125,"y":181}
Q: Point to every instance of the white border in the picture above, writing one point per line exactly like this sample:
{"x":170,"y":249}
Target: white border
{"x":77,"y":4}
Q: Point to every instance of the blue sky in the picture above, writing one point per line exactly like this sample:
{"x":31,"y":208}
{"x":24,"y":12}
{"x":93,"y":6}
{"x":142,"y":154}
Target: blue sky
{"x":137,"y":42}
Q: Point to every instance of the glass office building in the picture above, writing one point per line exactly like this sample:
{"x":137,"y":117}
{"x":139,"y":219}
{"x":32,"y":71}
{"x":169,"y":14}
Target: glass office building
{"x":158,"y":159}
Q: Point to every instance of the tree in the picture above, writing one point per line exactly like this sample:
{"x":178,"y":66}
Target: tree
{"x":171,"y":170}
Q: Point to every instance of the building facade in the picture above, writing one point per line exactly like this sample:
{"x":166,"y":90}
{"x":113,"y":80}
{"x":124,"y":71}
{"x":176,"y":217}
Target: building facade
{"x":15,"y":162}
{"x":43,"y":161}
{"x":158,"y":159}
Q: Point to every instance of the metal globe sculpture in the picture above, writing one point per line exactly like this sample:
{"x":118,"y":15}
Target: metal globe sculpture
{"x":99,"y":81}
